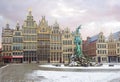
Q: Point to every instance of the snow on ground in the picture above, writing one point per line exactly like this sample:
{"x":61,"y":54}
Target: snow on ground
{"x":105,"y":66}
{"x":58,"y":76}
{"x":69,"y":76}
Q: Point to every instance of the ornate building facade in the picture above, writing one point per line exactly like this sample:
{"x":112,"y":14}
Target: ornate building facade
{"x":43,"y":41}
{"x":7,"y":41}
{"x":49,"y":44}
{"x":56,"y":44}
{"x":118,"y":46}
{"x":102,"y":49}
{"x":17,"y":45}
{"x":37,"y":43}
{"x":96,"y":47}
{"x":67,"y":45}
{"x":29,"y":30}
{"x":114,"y":47}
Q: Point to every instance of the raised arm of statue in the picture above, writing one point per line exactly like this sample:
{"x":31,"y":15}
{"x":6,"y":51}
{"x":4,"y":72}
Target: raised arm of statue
{"x":79,"y":27}
{"x":77,"y":30}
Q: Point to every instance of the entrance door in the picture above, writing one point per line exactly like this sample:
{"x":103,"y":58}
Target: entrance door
{"x":118,"y":59}
{"x":99,"y":59}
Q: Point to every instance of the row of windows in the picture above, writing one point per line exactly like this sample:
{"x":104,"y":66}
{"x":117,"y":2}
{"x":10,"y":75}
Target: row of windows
{"x":55,"y":32}
{"x":32,"y":53}
{"x":43,"y":53}
{"x":44,"y":48}
{"x":56,"y":47}
{"x":44,"y":42}
{"x":67,"y":36}
{"x":17,"y":33}
{"x":17,"y":48}
{"x":44,"y":36}
{"x":102,"y":46}
{"x":67,"y":42}
{"x":111,"y":40}
{"x":29,"y":31}
{"x":30,"y":47}
{"x":7,"y":40}
{"x":17,"y":53}
{"x":112,"y":52}
{"x":101,"y":40}
{"x":67,"y":49}
{"x":112,"y":46}
{"x":7,"y":54}
{"x":30,"y":23}
{"x":56,"y":38}
{"x":66,"y":57}
{"x":7,"y":48}
{"x":55,"y":56}
{"x":102,"y":52}
{"x":30,"y":38}
{"x":7,"y":33}
{"x":17,"y":39}
{"x":43,"y":57}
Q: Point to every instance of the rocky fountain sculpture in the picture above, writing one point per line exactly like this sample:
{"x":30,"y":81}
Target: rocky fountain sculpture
{"x":78,"y":59}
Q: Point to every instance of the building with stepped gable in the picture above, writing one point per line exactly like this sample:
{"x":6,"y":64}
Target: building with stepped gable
{"x":29,"y":31}
{"x":43,"y":43}
{"x":36,"y":43}
{"x":103,"y":49}
{"x":56,"y":44}
{"x":114,"y":47}
{"x":17,"y":45}
{"x":96,"y":47}
{"x":7,"y":40}
{"x":67,"y":45}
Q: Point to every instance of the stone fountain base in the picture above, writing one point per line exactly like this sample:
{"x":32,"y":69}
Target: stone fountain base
{"x":79,"y":61}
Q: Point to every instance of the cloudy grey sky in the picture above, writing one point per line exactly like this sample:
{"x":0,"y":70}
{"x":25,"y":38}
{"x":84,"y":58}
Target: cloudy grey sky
{"x":94,"y":15}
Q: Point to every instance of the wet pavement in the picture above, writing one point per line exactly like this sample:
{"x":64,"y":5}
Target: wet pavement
{"x":34,"y":73}
{"x":17,"y":72}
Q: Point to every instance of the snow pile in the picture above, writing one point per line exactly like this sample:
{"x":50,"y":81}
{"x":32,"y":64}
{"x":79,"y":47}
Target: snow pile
{"x":56,"y":76}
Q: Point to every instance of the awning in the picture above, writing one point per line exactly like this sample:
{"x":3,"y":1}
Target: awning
{"x":17,"y":56}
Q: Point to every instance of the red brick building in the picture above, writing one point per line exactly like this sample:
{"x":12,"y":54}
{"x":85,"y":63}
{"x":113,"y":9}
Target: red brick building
{"x":96,"y":47}
{"x":89,"y":48}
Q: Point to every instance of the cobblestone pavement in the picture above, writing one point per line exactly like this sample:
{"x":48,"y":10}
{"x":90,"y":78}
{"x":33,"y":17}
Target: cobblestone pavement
{"x":17,"y":72}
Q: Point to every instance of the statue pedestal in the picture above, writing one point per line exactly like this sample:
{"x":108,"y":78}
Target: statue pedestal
{"x":78,"y":61}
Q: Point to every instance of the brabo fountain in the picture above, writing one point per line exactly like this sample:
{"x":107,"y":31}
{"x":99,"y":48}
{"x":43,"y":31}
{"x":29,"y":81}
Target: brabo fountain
{"x":78,"y":59}
{"x":79,"y":62}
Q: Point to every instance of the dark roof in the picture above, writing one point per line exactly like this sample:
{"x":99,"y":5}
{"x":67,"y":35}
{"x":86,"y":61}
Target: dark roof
{"x":116,"y":35}
{"x":93,"y":38}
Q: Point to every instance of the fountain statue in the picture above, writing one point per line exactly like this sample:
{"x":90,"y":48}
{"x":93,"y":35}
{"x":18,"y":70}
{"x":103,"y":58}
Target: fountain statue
{"x":78,"y":58}
{"x":78,"y":43}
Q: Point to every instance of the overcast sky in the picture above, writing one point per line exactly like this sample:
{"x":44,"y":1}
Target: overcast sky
{"x":94,"y":15}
